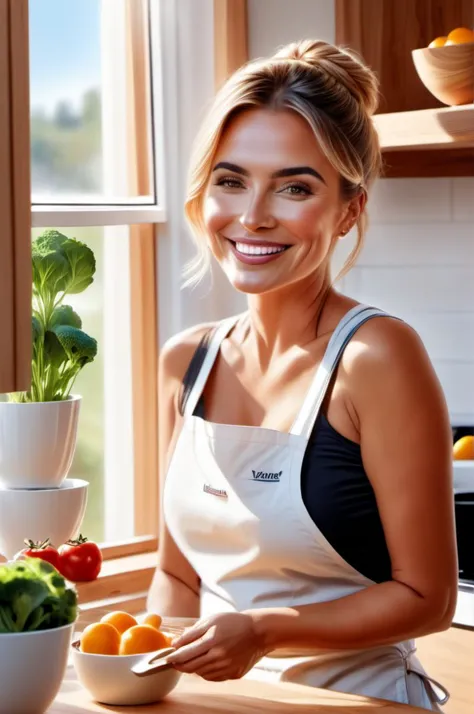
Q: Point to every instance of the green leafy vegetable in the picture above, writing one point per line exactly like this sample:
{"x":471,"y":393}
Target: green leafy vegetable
{"x":34,"y":596}
{"x":61,"y":266}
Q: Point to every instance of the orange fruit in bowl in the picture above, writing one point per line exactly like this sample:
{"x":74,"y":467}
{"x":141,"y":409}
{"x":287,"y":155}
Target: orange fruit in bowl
{"x":459,"y":36}
{"x":438,"y":42}
{"x":120,"y":620}
{"x":463,"y":449}
{"x":153,"y":619}
{"x":100,"y":638}
{"x":142,"y":639}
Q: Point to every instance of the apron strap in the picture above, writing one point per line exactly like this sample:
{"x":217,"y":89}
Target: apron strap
{"x":220,"y":333}
{"x":439,"y":691}
{"x":348,"y":325}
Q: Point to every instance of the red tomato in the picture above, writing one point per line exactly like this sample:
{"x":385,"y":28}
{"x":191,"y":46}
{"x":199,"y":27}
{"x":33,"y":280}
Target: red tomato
{"x":80,"y":560}
{"x":42,"y":550}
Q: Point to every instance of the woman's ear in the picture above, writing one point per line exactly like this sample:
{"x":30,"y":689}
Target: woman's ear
{"x":353,"y":210}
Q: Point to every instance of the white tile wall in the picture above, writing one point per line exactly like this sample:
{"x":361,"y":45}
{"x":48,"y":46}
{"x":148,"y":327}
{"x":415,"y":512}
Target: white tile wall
{"x":463,"y":199}
{"x":418,"y":263}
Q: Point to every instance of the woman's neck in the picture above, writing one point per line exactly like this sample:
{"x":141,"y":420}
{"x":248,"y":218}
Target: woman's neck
{"x":286,"y":318}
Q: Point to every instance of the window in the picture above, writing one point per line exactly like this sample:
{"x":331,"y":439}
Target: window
{"x":95,"y":109}
{"x":84,"y":84}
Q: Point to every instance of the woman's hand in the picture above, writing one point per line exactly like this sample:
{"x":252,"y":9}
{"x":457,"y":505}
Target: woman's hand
{"x":224,"y":646}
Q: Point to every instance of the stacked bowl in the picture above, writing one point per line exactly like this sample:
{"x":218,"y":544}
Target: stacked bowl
{"x":37,"y":500}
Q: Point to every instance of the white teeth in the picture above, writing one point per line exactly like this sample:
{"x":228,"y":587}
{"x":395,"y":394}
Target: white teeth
{"x":247,"y":249}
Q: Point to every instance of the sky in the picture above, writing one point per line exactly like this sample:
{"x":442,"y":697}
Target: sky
{"x":64,"y":51}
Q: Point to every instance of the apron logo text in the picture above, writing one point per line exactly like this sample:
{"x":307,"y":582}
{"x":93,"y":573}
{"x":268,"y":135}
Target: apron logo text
{"x":266,"y":476}
{"x":215,"y":491}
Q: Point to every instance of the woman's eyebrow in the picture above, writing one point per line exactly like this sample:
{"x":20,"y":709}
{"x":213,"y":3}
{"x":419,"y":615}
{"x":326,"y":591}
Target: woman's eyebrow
{"x":282,"y":173}
{"x":298,"y":171}
{"x":231,"y":167}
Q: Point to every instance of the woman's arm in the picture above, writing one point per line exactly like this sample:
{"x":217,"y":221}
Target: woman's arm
{"x":175,"y":590}
{"x":396,"y":402}
{"x":406,"y":447}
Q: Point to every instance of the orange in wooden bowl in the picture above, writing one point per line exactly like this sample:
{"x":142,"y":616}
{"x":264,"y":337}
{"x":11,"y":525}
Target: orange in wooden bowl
{"x":438,"y":42}
{"x":459,"y":36}
{"x":447,"y":71}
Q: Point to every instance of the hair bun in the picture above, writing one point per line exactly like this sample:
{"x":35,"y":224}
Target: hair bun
{"x":344,"y":65}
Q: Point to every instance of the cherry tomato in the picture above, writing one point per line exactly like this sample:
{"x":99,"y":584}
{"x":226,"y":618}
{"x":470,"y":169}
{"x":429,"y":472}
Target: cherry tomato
{"x":43,"y":550}
{"x":80,"y":560}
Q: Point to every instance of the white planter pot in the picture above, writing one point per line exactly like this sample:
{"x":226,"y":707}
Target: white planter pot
{"x":37,"y":442}
{"x":37,"y":514}
{"x":32,"y":668}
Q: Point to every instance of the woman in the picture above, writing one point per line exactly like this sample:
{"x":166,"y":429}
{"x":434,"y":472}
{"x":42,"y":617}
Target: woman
{"x":308,"y":503}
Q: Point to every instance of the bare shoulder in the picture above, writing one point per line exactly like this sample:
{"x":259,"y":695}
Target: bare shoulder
{"x":385,"y":343}
{"x":383,"y":338}
{"x":177,"y":352}
{"x":386,"y":363}
{"x":175,"y":356}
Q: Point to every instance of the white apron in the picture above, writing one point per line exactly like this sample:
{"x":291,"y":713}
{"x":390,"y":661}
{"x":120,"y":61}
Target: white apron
{"x":233,"y":504}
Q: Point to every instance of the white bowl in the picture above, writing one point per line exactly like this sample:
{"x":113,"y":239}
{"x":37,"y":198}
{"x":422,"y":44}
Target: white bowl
{"x":109,"y":679}
{"x":37,"y":442}
{"x":463,"y":473}
{"x":54,"y":513}
{"x":32,"y":669}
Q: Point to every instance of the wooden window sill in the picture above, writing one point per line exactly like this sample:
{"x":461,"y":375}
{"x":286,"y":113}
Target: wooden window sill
{"x":121,"y":580}
{"x":124,"y":580}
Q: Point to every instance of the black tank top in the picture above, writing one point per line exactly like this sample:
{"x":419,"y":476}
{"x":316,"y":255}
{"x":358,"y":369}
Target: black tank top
{"x":334,"y":486}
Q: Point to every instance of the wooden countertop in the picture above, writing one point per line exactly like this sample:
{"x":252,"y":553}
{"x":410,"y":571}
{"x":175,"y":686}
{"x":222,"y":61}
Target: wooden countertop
{"x":447,"y":656}
{"x":196,"y":696}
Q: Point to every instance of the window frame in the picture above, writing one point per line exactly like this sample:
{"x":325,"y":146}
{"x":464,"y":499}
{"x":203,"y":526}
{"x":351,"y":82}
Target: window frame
{"x":143,"y":218}
{"x":15,"y":245}
{"x":137,"y":209}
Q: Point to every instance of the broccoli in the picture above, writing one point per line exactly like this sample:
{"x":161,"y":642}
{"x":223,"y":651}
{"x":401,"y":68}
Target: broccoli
{"x":61,"y":266}
{"x":34,"y":596}
{"x":65,"y":315}
{"x":79,"y":347}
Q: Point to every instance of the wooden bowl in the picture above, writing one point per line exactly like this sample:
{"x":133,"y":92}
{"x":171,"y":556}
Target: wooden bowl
{"x":447,"y":72}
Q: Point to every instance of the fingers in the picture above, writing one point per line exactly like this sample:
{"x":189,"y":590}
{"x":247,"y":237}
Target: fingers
{"x":190,"y":652}
{"x":210,"y":665}
{"x":207,"y":667}
{"x":196,"y":665}
{"x":191,"y":634}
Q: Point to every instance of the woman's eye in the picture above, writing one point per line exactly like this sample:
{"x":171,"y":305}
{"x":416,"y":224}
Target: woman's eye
{"x":229,"y":182}
{"x":296,"y":189}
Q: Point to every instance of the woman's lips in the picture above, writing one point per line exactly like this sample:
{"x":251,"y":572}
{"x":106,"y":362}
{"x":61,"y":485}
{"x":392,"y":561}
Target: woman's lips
{"x":256,"y":258}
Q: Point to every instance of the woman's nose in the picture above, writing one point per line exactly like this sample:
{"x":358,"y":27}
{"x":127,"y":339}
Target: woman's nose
{"x":257,"y":215}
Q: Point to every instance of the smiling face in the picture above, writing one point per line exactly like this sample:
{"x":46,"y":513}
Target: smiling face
{"x":272,"y":207}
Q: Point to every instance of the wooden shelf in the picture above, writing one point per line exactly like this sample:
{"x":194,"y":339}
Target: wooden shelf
{"x":428,"y":163}
{"x":420,"y":137}
{"x":427,"y":142}
{"x":444,"y":128}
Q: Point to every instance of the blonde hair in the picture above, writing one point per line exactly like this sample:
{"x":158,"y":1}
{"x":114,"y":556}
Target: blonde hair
{"x":331,"y":88}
